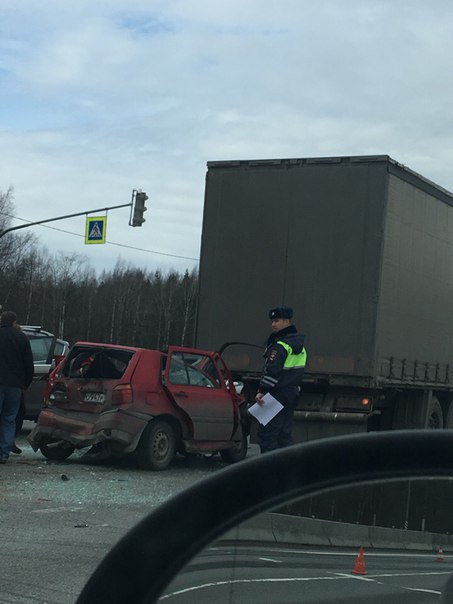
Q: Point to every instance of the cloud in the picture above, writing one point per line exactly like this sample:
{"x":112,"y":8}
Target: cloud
{"x":100,"y":98}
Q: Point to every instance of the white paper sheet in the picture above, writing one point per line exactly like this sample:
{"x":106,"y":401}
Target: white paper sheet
{"x":264,"y":413}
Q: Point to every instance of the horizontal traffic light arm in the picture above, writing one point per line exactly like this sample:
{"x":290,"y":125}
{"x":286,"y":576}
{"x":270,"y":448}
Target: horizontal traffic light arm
{"x":29,"y":224}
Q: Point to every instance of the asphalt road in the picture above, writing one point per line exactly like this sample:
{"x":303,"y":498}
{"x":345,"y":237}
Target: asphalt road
{"x":59,"y":519}
{"x":235,"y":574}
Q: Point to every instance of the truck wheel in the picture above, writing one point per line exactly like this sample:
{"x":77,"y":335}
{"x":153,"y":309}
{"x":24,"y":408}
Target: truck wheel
{"x":157,"y":446}
{"x":236,"y":453}
{"x":55,"y":452}
{"x":413,"y":411}
{"x":435,"y":415}
{"x":449,"y":417}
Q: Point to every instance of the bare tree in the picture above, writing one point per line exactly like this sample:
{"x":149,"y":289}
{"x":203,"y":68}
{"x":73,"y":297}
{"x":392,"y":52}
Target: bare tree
{"x":66,"y":269}
{"x":64,"y":295}
{"x":189,"y":290}
{"x":13,"y":247}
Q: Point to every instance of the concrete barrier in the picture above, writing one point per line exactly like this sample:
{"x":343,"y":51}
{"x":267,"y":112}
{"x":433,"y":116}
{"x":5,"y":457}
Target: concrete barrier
{"x":281,"y":528}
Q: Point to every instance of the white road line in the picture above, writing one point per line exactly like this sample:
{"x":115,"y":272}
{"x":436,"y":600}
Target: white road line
{"x":270,"y":560}
{"x":428,"y":591}
{"x":358,"y":577}
{"x":335,"y":576}
{"x":414,"y":574}
{"x":237,"y":581}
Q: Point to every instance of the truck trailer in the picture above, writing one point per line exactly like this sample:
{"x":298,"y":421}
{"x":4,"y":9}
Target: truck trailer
{"x":362,"y":249}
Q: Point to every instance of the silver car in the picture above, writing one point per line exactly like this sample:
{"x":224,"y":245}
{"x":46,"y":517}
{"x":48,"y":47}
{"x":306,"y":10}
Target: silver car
{"x":47,"y":350}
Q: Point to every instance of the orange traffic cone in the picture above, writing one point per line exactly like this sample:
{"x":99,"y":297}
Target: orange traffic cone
{"x":440,"y":555}
{"x":359,"y":568}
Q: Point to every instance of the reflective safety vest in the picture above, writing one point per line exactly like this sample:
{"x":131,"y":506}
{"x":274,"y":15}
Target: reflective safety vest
{"x":293,"y":361}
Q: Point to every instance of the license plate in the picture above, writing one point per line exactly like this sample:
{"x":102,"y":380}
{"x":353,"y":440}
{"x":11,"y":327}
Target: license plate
{"x":94,"y":397}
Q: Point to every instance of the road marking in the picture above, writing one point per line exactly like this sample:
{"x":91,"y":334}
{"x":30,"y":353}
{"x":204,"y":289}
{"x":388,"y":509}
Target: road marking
{"x":357,"y":577}
{"x":336,"y":576}
{"x":248,"y":581}
{"x":428,"y":591}
{"x":414,"y":574}
{"x":270,"y":560}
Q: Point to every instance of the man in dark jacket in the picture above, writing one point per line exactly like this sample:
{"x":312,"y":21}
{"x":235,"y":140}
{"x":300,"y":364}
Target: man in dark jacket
{"x":285,"y":357}
{"x":16,"y":375}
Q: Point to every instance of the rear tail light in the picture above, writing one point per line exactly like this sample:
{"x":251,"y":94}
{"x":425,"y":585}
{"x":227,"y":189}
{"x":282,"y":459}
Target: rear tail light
{"x":122,"y":394}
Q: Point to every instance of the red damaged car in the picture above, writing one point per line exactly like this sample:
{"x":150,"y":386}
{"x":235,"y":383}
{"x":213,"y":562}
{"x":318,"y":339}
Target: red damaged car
{"x":122,"y":400}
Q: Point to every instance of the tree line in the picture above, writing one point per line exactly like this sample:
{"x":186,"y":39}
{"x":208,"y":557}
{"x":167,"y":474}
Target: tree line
{"x":63,"y":294}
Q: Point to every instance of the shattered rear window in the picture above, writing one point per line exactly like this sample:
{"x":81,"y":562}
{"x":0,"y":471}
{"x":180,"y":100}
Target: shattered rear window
{"x":101,"y":363}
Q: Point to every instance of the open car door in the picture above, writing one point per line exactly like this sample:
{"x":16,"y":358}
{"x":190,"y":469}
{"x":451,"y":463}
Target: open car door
{"x":196,"y":385}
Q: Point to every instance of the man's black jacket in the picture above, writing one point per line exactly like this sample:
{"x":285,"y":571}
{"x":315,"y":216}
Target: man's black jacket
{"x":16,"y":358}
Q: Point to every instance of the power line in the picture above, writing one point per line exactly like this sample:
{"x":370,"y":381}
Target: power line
{"x":131,"y":247}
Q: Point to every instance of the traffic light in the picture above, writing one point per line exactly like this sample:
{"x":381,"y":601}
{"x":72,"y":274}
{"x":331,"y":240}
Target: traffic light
{"x":139,"y":209}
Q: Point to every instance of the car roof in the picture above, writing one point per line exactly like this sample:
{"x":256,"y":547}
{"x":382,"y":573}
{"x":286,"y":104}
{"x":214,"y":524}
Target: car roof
{"x":111,"y":346}
{"x":39,"y":331}
{"x":36,"y":329}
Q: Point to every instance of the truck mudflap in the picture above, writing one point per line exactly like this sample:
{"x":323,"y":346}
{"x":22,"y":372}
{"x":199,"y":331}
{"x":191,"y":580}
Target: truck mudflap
{"x":116,"y":425}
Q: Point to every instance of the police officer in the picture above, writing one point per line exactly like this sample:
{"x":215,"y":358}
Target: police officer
{"x":285,"y":359}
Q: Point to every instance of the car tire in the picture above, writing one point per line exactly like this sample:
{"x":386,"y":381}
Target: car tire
{"x":236,"y":453}
{"x":55,"y":453}
{"x":157,"y":446}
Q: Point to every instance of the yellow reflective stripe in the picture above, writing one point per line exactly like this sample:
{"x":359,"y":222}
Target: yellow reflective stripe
{"x":293,"y":360}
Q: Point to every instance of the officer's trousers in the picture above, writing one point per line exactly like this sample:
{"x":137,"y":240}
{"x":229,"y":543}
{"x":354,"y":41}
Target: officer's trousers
{"x":278,"y":432}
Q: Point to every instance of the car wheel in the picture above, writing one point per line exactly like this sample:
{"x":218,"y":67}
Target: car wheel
{"x":236,"y":453}
{"x":157,"y":446}
{"x":56,"y":452}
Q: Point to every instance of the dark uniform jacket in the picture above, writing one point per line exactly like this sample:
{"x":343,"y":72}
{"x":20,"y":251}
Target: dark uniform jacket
{"x":16,"y":358}
{"x":281,"y":378}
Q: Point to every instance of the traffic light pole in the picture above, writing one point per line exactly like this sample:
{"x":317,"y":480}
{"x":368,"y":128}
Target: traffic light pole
{"x":29,"y":224}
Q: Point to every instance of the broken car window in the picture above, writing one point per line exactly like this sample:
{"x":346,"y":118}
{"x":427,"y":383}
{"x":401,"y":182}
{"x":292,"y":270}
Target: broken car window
{"x":97,"y":363}
{"x":193,"y":370}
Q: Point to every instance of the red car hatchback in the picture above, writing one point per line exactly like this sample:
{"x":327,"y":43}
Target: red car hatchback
{"x":122,"y":400}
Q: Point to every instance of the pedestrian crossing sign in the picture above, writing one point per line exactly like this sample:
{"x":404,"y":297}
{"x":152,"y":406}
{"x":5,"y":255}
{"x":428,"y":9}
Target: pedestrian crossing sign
{"x":96,"y":227}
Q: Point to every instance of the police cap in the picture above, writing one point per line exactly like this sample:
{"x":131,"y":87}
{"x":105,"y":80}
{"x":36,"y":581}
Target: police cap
{"x":281,"y":312}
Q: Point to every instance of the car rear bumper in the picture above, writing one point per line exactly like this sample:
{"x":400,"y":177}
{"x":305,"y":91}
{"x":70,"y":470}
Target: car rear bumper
{"x":85,"y":430}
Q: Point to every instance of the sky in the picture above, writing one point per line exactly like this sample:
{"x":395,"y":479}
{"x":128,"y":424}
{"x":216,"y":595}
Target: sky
{"x":100,"y":98}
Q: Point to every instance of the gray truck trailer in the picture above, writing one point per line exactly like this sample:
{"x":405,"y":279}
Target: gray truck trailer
{"x":362,"y":249}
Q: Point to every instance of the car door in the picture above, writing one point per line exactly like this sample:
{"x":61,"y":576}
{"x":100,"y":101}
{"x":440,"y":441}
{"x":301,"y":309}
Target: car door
{"x":196,"y":386}
{"x":42,"y":346}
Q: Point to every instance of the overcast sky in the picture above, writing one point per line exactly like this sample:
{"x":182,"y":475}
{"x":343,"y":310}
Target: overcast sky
{"x":99,"y":98}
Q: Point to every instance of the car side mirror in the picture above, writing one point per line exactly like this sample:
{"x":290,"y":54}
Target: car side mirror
{"x":167,"y":540}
